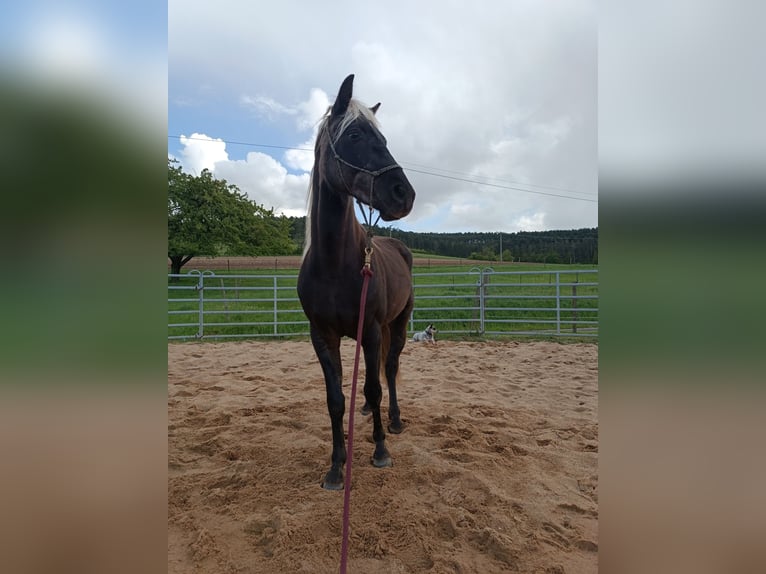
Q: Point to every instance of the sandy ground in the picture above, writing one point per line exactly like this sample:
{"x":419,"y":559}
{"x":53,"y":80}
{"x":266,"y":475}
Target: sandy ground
{"x":495,"y":472}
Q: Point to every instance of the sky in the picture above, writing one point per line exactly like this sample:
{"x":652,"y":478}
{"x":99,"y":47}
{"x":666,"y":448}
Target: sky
{"x":490,"y":107}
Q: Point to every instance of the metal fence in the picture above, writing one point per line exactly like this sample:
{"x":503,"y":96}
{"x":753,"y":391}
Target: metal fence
{"x":481,"y":301}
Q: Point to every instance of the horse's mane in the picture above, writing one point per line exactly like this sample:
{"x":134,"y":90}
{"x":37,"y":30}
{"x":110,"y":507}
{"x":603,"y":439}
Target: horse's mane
{"x":354,"y":110}
{"x":309,"y":201}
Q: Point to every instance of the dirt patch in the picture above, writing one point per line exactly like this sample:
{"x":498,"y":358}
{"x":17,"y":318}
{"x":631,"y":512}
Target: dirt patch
{"x":495,"y":472}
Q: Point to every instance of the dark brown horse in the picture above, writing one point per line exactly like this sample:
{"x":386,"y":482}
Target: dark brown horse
{"x":352,"y":162}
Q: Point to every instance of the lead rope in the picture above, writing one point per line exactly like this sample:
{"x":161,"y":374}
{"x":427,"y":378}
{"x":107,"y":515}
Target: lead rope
{"x":366,"y":273}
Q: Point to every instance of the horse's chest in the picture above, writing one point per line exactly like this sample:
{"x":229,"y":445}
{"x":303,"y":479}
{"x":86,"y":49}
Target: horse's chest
{"x":330,"y":302}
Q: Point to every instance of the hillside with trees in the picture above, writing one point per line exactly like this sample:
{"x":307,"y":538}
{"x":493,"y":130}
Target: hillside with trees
{"x":564,"y":246}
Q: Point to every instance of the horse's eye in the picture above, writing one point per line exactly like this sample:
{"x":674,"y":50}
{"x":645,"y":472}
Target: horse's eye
{"x":354,"y":136}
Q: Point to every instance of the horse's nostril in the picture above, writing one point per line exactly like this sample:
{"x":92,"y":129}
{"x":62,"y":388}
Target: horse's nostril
{"x":399,"y":192}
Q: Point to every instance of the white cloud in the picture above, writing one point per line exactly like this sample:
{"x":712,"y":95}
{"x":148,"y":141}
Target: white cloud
{"x":202,"y":152}
{"x":307,"y":114}
{"x":534,"y":222}
{"x":311,"y":112}
{"x":262,"y":178}
{"x":313,"y":109}
{"x":301,"y":159}
{"x":267,"y":182}
{"x":506,"y":92}
{"x":267,"y":107}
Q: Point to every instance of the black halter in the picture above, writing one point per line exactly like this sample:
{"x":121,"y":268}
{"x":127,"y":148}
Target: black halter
{"x":373,"y":174}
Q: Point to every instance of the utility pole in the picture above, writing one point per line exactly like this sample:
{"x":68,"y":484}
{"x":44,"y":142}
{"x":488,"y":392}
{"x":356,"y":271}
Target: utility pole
{"x":501,"y":247}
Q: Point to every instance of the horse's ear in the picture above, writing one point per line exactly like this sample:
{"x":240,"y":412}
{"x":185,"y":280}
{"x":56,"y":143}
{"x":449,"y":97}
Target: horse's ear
{"x":374,"y":109}
{"x":344,"y":96}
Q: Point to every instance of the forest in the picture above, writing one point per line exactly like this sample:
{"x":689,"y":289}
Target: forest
{"x":561,"y":246}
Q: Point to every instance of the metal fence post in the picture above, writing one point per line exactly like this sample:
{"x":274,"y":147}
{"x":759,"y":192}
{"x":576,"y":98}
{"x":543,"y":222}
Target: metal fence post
{"x":200,"y":305}
{"x":275,"y":304}
{"x":481,"y":304}
{"x":485,"y":273}
{"x":558,"y":303}
{"x":574,"y":304}
{"x":200,"y":288}
{"x":478,"y":288}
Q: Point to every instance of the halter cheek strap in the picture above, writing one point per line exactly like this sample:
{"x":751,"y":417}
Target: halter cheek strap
{"x":372,"y":174}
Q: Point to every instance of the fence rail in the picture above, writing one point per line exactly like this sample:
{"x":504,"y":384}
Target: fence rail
{"x":203,"y":305}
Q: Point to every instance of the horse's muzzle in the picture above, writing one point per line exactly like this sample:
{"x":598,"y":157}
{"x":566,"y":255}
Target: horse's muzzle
{"x":393,"y":196}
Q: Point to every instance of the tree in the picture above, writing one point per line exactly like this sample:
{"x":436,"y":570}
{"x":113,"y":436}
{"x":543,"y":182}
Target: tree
{"x":207,"y":216}
{"x":487,"y":253}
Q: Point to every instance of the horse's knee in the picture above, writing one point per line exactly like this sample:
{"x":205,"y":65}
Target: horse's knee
{"x":373,"y":393}
{"x":336,"y":410}
{"x":336,"y":403}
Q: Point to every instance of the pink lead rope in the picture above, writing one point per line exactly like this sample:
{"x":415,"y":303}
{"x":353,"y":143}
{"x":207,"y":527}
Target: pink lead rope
{"x":367,"y":273}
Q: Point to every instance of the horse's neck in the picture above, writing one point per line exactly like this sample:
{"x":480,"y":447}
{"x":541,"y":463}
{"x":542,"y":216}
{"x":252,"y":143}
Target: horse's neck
{"x":337,"y":239}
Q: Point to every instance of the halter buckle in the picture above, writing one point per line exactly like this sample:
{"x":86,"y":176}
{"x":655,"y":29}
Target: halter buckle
{"x":367,"y":257}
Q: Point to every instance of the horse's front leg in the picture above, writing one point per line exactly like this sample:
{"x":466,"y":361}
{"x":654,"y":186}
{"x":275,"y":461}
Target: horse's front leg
{"x":327,"y":349}
{"x":373,"y":393}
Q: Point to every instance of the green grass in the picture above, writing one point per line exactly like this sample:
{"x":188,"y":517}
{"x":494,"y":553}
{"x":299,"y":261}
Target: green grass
{"x":446,"y":295}
{"x":512,"y":302}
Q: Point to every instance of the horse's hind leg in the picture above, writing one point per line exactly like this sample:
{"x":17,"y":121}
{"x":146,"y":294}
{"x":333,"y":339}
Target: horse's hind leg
{"x":385,"y":343}
{"x":398,"y":330}
{"x":373,"y":393}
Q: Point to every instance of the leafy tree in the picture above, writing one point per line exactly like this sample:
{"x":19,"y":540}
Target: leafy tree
{"x":207,"y":216}
{"x":264,"y":234}
{"x":487,"y":253}
{"x":298,"y":232}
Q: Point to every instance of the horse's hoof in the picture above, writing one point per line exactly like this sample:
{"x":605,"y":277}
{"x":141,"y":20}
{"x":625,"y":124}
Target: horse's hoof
{"x":395,"y":428}
{"x":333,"y":481}
{"x":384,"y":462}
{"x":365,"y":410}
{"x":381,"y":458}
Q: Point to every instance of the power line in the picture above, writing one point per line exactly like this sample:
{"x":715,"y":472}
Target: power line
{"x":500,"y":179}
{"x":466,"y":180}
{"x":502,"y":186}
{"x":240,"y":143}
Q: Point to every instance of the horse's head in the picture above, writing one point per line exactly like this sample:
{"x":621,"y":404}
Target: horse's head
{"x":358,"y":161}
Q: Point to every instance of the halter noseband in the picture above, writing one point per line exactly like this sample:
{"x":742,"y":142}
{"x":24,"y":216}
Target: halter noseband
{"x":372,"y":174}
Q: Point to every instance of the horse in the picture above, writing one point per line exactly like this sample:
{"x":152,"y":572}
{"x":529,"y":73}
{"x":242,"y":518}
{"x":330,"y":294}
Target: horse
{"x":352,"y":162}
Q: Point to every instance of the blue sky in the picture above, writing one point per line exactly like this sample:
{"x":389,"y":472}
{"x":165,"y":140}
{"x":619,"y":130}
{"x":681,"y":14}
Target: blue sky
{"x":497,"y":92}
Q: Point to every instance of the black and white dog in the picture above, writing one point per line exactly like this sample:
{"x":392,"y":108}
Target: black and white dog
{"x":426,"y":336}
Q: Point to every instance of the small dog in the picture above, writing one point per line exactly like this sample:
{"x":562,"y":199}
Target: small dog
{"x":426,"y":336}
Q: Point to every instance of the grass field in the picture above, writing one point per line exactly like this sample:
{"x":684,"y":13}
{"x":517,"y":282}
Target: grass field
{"x":517,"y":299}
